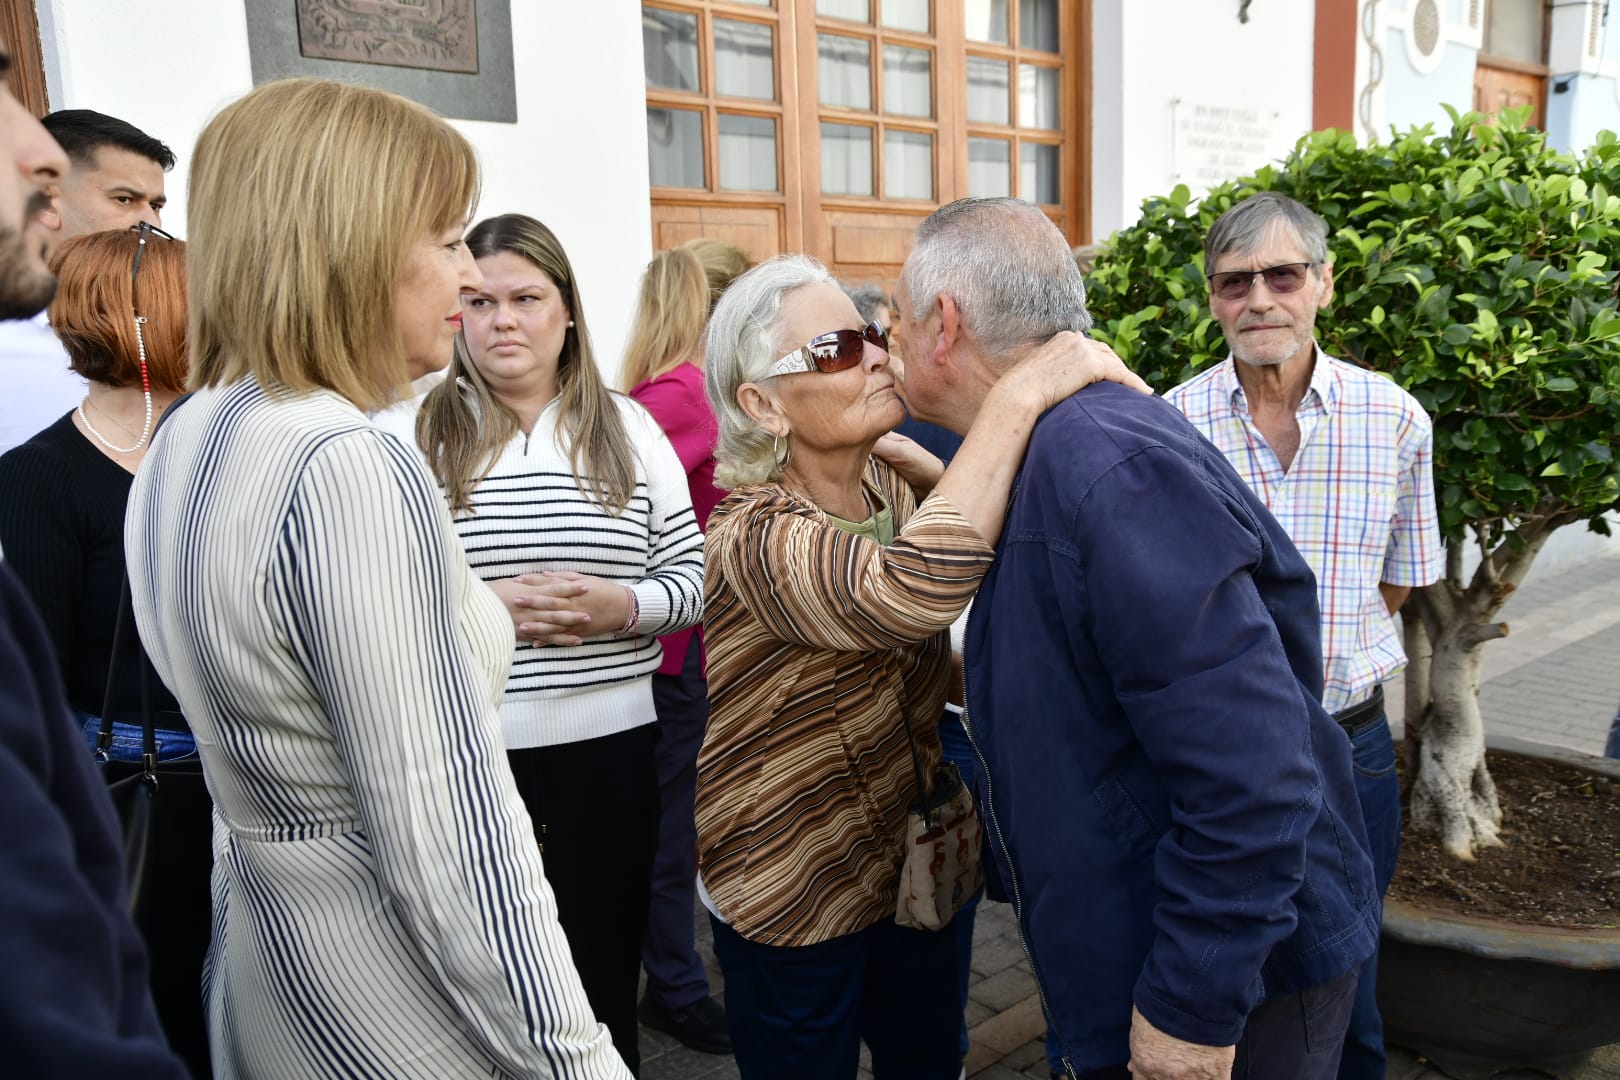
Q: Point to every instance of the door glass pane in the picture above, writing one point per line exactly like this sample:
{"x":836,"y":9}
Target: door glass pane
{"x":1039,"y":174}
{"x":854,"y":10}
{"x":1513,"y":30}
{"x":675,"y":147}
{"x":986,"y":20}
{"x":669,"y":46}
{"x":907,"y":81}
{"x":908,"y":165}
{"x":1037,"y":97}
{"x":989,"y":168}
{"x":747,"y":153}
{"x":846,"y":159}
{"x":1037,"y":25}
{"x":742,"y":60}
{"x":845,"y":70}
{"x":906,"y":15}
{"x":987,"y":90}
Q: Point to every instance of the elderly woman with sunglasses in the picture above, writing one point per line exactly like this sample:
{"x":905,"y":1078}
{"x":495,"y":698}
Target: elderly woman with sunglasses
{"x":828,"y":593}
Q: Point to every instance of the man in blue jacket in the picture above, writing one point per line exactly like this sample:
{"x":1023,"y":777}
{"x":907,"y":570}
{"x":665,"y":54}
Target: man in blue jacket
{"x":73,"y":994}
{"x":1172,"y":810}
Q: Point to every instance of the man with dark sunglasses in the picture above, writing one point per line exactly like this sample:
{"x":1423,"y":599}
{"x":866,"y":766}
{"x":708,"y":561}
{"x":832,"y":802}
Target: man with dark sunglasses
{"x":73,"y":990}
{"x":1170,"y":808}
{"x":1343,"y":458}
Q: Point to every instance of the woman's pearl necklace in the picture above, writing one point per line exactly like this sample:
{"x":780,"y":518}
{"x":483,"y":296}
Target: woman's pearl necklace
{"x":146,"y":393}
{"x":146,"y":428}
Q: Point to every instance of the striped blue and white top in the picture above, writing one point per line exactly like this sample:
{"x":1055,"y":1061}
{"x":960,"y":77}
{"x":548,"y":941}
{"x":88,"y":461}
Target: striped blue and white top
{"x":379,"y":906}
{"x":528,"y":515}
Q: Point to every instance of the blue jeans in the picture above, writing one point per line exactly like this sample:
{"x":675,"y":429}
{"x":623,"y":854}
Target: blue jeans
{"x":129,"y":741}
{"x":1613,"y":748}
{"x":1373,"y":756}
{"x":801,"y":1012}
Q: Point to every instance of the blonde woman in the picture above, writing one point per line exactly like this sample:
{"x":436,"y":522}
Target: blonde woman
{"x":722,"y":264}
{"x":663,"y":370}
{"x":379,"y":906}
{"x":572,"y":505}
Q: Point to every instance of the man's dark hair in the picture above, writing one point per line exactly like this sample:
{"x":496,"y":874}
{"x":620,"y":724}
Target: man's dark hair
{"x":81,"y":132}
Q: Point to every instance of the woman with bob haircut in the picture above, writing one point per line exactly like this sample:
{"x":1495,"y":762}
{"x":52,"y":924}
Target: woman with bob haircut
{"x":120,"y":311}
{"x":572,"y":506}
{"x":829,"y":593}
{"x":663,"y":370}
{"x":379,"y":905}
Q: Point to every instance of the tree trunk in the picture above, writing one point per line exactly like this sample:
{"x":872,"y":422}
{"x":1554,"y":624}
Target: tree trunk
{"x":1452,"y":794}
{"x":1415,"y":638}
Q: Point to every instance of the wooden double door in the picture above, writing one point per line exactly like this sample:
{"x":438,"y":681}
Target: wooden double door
{"x":835,"y":126}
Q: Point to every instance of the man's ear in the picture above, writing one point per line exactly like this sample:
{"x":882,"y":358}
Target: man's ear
{"x":949,"y":333}
{"x":51,"y":216}
{"x":1327,"y":287}
{"x":762,"y":408}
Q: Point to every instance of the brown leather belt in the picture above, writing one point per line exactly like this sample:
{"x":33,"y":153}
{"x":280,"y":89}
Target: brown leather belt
{"x":1358,"y":718}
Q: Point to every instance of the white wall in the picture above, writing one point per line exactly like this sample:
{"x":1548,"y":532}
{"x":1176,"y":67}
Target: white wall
{"x":1156,"y":60}
{"x":576,"y":158}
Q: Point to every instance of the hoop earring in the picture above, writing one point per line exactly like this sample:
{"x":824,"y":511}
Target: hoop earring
{"x":783,"y":451}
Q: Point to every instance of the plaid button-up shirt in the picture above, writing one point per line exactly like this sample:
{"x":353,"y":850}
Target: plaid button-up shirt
{"x":1358,"y":502}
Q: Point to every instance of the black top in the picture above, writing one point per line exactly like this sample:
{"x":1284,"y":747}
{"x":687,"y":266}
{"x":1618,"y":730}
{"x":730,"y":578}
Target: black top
{"x":62,"y":531}
{"x":73,"y":988}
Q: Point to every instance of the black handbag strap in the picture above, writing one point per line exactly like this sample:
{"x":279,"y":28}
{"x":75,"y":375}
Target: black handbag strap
{"x":123,"y":627}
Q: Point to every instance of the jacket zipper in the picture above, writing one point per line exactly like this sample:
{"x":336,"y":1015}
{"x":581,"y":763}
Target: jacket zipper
{"x":1001,"y":843}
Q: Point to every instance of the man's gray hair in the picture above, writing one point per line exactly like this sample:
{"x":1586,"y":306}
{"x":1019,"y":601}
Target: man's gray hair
{"x":1007,"y":267}
{"x":743,"y":344}
{"x":867,"y":299}
{"x":1243,"y":228}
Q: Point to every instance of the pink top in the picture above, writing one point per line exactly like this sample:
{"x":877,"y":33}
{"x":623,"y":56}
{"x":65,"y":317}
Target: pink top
{"x":677,"y":401}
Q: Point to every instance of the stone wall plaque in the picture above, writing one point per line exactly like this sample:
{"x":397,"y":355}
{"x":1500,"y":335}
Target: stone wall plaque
{"x":454,"y":56}
{"x":1216,"y":143}
{"x":440,"y":35}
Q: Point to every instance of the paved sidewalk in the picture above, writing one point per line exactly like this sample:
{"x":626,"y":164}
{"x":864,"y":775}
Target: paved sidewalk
{"x":1555,"y":679}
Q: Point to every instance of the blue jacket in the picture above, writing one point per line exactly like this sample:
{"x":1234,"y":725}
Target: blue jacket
{"x":1171,"y":808}
{"x":73,"y":993}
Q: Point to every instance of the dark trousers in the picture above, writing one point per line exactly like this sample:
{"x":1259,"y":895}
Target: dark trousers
{"x":956,"y":749}
{"x":1613,"y":747}
{"x":1379,"y":791}
{"x":595,"y":810}
{"x":1293,"y":1037}
{"x":675,"y":977}
{"x":1297,"y":1036}
{"x":801,"y":1013}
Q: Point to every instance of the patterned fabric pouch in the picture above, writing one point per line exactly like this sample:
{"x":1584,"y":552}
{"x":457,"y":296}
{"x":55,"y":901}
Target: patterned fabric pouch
{"x":941,"y":867}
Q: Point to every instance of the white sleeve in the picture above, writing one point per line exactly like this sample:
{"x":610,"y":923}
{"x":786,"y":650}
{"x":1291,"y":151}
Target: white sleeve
{"x":670,"y":597}
{"x":376,"y":608}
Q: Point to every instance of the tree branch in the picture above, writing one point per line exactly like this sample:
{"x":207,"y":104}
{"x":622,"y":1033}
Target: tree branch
{"x":1480,"y":633}
{"x":1486,"y":564}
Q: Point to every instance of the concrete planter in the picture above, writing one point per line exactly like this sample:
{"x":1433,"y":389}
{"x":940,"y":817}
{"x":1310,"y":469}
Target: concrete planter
{"x":1477,"y":996}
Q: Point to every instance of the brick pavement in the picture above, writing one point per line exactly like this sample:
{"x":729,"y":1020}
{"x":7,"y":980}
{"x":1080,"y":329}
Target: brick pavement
{"x":1555,"y":678}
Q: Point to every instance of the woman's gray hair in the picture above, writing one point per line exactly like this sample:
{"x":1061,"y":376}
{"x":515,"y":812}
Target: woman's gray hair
{"x":742,"y":347}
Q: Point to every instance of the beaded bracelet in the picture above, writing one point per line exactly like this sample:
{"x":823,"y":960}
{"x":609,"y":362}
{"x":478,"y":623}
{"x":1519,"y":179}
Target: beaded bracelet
{"x":635,"y":612}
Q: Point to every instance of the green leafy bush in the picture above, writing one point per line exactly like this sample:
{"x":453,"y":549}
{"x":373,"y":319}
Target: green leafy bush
{"x":1475,"y":269}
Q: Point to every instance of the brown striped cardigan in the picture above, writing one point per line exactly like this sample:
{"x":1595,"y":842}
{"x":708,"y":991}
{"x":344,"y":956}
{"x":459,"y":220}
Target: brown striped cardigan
{"x":820,"y":643}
